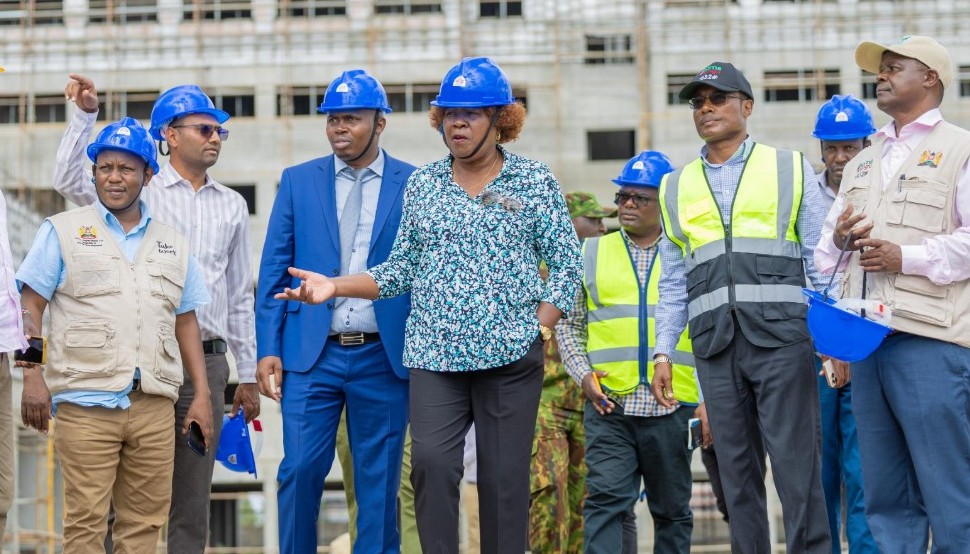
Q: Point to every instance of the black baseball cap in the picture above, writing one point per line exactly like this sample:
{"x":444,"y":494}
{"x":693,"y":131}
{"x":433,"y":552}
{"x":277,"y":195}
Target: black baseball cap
{"x":720,"y":75}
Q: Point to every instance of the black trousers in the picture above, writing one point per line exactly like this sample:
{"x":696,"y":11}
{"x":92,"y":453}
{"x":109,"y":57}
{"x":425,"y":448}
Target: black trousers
{"x":502,"y":402}
{"x":766,"y":400}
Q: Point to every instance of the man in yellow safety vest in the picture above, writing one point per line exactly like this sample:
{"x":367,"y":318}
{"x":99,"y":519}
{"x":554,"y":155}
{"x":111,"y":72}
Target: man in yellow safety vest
{"x":607,"y":345}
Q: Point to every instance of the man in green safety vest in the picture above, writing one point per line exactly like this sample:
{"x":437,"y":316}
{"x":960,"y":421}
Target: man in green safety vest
{"x":607,"y":345}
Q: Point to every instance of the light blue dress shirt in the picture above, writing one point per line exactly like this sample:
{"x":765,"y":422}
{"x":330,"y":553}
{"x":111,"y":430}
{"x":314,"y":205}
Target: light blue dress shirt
{"x":44,"y":271}
{"x":357,"y":314}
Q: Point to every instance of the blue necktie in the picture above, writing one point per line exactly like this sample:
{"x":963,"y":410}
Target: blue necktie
{"x":349,"y":219}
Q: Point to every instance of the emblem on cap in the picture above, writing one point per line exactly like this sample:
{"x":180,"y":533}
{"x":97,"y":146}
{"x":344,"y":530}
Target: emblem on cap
{"x":342,"y":87}
{"x":638,"y":165}
{"x":459,"y":81}
{"x":123,"y":131}
{"x":841,"y":117}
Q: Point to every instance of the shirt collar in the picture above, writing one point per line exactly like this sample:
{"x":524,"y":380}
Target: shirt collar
{"x":112,"y":221}
{"x":739,"y":156}
{"x":928,"y":120}
{"x":630,"y":242}
{"x":377,"y":166}
{"x":823,"y":183}
{"x":168,"y":177}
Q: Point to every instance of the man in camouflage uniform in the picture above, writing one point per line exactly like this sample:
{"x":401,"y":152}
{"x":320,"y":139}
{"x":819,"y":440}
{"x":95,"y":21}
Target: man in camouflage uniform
{"x":558,"y":456}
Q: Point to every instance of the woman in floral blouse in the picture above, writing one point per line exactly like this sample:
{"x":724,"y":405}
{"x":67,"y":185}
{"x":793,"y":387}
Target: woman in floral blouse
{"x":475,"y":226}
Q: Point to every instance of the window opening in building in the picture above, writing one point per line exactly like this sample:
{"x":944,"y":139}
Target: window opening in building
{"x":499,"y":8}
{"x":609,"y":49}
{"x":248,"y":192}
{"x":610,"y":145}
{"x":800,"y":85}
{"x":406,"y":7}
{"x":122,"y":11}
{"x":217,"y":10}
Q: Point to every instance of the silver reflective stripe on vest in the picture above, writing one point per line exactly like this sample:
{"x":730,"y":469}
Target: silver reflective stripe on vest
{"x":590,"y":253}
{"x":786,"y":191}
{"x":744,"y":245}
{"x":628,"y":353}
{"x":744,"y":293}
{"x":673,"y":210}
{"x":615,"y":312}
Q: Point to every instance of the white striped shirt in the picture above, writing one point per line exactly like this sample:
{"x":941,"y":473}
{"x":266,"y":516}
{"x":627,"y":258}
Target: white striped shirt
{"x":215,"y":220}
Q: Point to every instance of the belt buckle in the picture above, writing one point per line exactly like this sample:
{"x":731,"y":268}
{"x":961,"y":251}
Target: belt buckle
{"x":351,"y":339}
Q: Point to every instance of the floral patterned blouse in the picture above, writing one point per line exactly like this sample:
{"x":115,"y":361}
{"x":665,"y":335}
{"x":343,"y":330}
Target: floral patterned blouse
{"x":472,"y":264}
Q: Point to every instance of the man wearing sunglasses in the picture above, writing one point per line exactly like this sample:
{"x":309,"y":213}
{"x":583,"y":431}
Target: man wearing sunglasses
{"x":743,"y":220}
{"x":215,"y":219}
{"x":606,"y":345}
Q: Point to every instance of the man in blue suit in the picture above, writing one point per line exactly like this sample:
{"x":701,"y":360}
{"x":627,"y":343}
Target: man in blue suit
{"x":337,"y":215}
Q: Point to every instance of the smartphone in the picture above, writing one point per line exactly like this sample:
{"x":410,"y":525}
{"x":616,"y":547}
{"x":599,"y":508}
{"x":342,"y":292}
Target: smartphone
{"x":35,"y":353}
{"x":695,"y":436}
{"x":829,"y":372}
{"x":196,"y":439}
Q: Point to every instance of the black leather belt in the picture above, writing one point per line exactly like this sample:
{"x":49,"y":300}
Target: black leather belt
{"x":355,"y":339}
{"x":135,"y":384}
{"x":214,"y":346}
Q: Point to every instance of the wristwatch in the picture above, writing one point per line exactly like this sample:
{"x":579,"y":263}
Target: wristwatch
{"x":546,"y":332}
{"x":662,"y":359}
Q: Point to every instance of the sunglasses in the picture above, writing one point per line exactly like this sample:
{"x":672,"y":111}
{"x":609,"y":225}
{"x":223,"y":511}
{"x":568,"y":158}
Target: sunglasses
{"x":717,"y":99}
{"x":206,"y":130}
{"x":639,"y":200}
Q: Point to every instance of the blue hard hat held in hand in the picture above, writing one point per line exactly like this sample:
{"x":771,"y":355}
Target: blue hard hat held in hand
{"x":839,"y":333}
{"x":179,"y":102}
{"x":127,"y":135}
{"x":235,"y":451}
{"x":474,"y":83}
{"x":646,"y":169}
{"x":355,"y":89}
{"x":843,"y":118}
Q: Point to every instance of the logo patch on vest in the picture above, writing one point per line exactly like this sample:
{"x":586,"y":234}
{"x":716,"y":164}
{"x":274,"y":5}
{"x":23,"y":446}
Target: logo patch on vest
{"x":165,"y":248}
{"x":88,"y":236}
{"x":863,"y":169}
{"x":930,"y":159}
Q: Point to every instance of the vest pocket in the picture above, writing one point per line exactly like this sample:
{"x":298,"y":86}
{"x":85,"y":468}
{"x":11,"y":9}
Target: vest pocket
{"x":167,"y":282}
{"x":90,"y":349}
{"x":95,"y":274}
{"x":168,"y":357}
{"x":917,"y":298}
{"x":918,"y":208}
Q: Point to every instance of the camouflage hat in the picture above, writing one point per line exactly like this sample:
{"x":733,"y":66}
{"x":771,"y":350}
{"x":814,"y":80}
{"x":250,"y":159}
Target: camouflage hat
{"x":584,"y":204}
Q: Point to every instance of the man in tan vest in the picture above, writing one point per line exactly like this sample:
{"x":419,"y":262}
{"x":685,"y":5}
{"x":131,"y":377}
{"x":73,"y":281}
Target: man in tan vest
{"x":122,"y":291}
{"x":906,"y":201}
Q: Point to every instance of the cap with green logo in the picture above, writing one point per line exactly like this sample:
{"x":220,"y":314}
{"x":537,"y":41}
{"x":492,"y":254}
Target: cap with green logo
{"x":585,"y":204}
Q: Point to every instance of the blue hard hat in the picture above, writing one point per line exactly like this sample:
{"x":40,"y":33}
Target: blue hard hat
{"x":127,"y":135}
{"x":840,"y":333}
{"x":181,"y":101}
{"x":474,"y":83}
{"x":235,"y":450}
{"x":646,"y":169}
{"x":354,"y":90}
{"x":843,"y":118}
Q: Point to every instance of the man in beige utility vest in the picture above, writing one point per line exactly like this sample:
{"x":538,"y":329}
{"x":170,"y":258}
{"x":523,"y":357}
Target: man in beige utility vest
{"x":906,"y":200}
{"x":607,"y":345}
{"x":122,"y":291}
{"x":743,"y":220}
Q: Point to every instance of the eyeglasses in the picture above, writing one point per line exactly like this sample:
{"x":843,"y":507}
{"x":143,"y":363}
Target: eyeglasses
{"x":717,"y":99}
{"x":639,"y":200}
{"x":206,"y":130}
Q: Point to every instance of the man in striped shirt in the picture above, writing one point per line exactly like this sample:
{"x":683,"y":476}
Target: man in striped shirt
{"x":215,"y":219}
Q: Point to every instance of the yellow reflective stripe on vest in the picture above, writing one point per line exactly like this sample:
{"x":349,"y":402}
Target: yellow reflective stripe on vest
{"x":614,"y":324}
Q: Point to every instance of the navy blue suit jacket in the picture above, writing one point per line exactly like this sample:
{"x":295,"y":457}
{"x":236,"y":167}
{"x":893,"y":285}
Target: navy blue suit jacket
{"x":303,"y":233}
